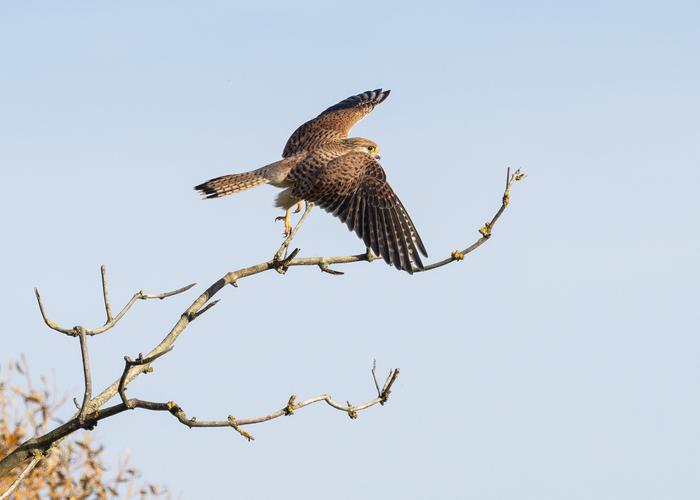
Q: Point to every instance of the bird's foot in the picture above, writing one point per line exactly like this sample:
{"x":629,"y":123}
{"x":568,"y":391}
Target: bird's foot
{"x":287,"y":222}
{"x":298,"y":208}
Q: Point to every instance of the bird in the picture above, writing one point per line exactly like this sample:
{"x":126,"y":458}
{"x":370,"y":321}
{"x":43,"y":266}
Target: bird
{"x":322,"y":165}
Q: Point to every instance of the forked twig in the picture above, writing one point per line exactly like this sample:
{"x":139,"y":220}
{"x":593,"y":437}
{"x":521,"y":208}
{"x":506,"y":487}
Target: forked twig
{"x":75,"y":331}
{"x":139,"y":361}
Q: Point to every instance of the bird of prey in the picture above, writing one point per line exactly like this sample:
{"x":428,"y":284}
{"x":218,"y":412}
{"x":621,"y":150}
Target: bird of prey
{"x":342,"y":175}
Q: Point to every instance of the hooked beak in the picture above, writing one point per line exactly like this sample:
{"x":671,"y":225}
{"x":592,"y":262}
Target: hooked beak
{"x":377,"y":157}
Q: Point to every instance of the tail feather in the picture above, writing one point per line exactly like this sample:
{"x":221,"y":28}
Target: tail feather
{"x":230,"y":184}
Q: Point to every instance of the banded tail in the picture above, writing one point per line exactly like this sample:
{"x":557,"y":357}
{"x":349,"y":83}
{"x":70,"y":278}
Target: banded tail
{"x":231,"y":184}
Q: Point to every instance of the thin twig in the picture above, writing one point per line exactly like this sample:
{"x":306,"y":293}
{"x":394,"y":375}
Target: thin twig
{"x":204,"y":309}
{"x":75,"y":331}
{"x":374,"y":377}
{"x":323,"y":265}
{"x":87,"y":396}
{"x":105,"y":293}
{"x":177,"y":411}
{"x":164,"y":295}
{"x":139,"y":361}
{"x":386,"y":390}
{"x":485,"y":230}
{"x":30,"y":466}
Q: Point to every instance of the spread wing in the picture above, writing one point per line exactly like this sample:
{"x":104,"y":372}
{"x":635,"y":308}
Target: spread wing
{"x":353,"y":188}
{"x":335,"y":122}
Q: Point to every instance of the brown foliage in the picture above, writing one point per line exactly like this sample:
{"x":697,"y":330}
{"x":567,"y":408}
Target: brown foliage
{"x":74,"y":467}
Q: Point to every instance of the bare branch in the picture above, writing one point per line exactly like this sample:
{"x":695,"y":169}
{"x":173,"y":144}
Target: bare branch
{"x":234,"y":423}
{"x":75,"y":331}
{"x":386,"y":390}
{"x":30,"y":466}
{"x":105,"y":293}
{"x":486,"y":229}
{"x":204,"y":309}
{"x":323,"y":265}
{"x":139,"y":361}
{"x":289,"y":409}
{"x":233,"y":277}
{"x":374,"y":377}
{"x":133,"y":368}
{"x":86,"y":373}
{"x":49,"y":323}
{"x":164,"y":295}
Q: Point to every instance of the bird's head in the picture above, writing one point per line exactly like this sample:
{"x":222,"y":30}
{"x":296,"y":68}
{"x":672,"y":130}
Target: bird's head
{"x":364,"y":146}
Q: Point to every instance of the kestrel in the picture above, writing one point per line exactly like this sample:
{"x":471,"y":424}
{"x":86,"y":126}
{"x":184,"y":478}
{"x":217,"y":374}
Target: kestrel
{"x":342,"y":175}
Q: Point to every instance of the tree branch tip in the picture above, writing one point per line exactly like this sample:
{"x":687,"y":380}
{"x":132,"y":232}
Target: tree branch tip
{"x":194,"y":315}
{"x":233,"y":423}
{"x":518,"y":175}
{"x":386,"y":390}
{"x":165,"y":295}
{"x":326,"y":269}
{"x":485,"y":230}
{"x":289,"y":409}
{"x":374,"y":378}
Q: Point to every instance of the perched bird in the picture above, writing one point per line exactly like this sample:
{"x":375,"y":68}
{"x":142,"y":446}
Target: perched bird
{"x":341,"y":174}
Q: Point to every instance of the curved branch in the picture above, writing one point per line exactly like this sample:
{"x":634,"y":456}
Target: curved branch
{"x":111,"y":321}
{"x":233,"y":277}
{"x":202,"y":303}
{"x":289,"y":409}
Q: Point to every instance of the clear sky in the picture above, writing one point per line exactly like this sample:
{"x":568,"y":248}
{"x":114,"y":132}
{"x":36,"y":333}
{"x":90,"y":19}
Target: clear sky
{"x":561,"y":360}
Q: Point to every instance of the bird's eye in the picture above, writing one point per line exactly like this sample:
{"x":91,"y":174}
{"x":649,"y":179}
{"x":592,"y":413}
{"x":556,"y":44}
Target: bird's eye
{"x":371,"y":149}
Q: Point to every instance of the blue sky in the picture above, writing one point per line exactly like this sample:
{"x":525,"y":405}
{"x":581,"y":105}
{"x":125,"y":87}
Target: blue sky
{"x":558,"y":361}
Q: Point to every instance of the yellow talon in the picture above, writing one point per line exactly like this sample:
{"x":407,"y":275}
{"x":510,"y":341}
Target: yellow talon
{"x":457,"y":255}
{"x":287,"y":222}
{"x":298,"y":209}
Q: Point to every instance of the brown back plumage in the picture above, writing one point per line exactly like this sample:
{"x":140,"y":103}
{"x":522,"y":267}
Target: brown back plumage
{"x":334,"y":123}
